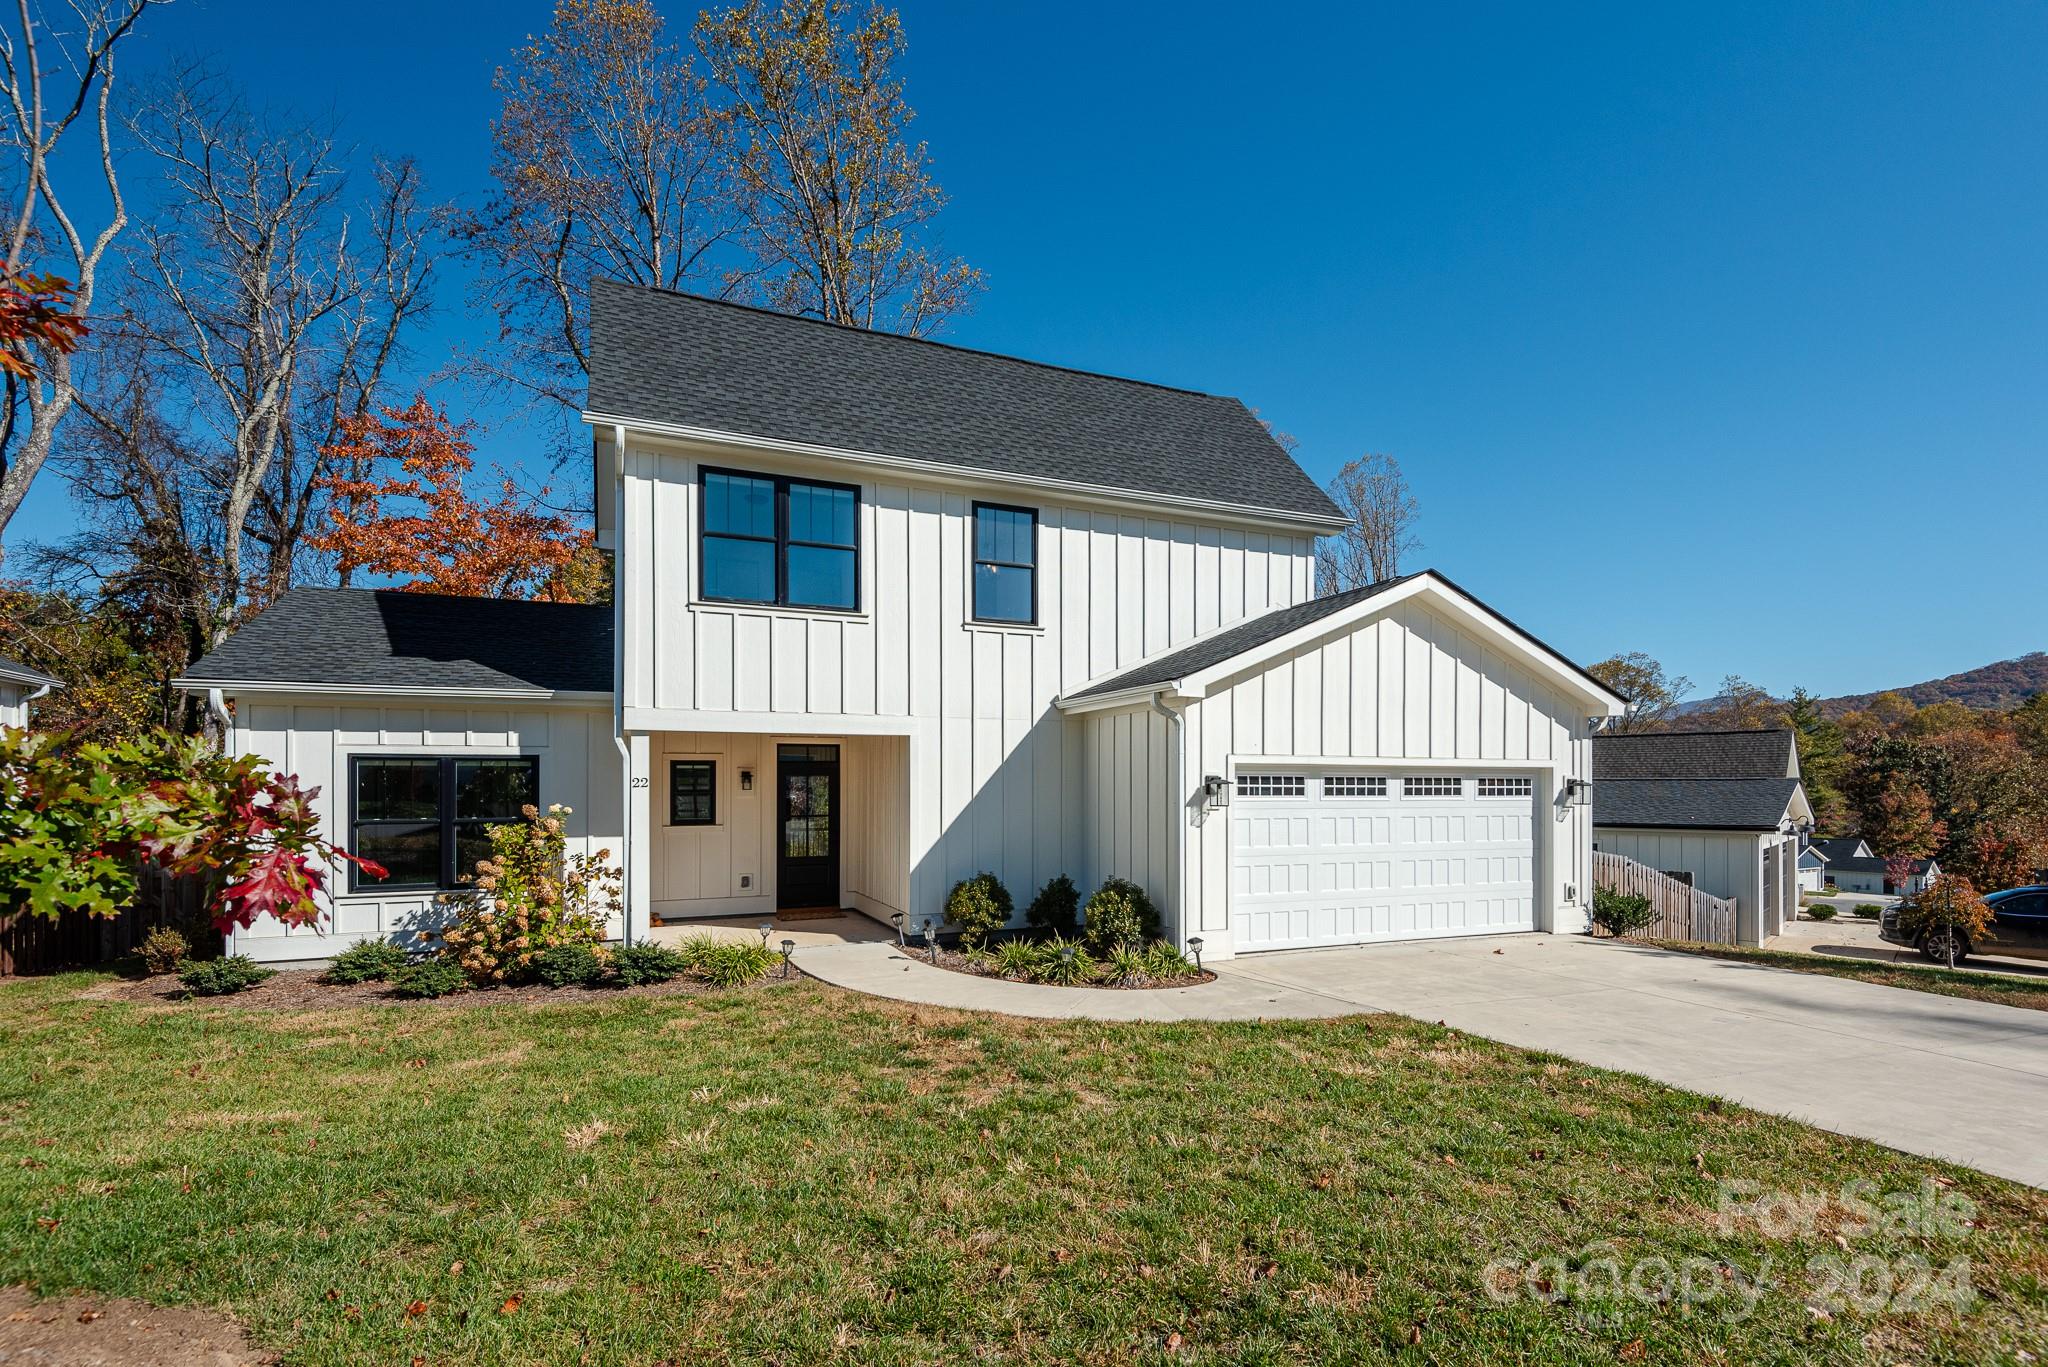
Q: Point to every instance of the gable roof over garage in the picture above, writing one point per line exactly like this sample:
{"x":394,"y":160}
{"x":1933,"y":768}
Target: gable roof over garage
{"x":380,"y":640}
{"x":1240,"y":646}
{"x":717,"y":368}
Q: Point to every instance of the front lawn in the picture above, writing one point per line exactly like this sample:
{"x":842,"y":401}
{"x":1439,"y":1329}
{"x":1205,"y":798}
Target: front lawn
{"x":795,"y":1174}
{"x":2004,"y":989}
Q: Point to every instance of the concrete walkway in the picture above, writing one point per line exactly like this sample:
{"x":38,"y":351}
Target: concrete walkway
{"x":1941,"y":1076}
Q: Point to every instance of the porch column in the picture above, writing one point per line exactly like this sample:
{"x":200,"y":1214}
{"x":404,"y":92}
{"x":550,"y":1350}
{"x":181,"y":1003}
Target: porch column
{"x":639,"y":838}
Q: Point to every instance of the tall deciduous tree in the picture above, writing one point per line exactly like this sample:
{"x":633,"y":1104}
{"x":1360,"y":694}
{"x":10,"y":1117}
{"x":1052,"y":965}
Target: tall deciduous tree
{"x":1374,"y":494}
{"x":1652,"y":692}
{"x":838,"y":205}
{"x":610,"y":160}
{"x":410,"y":516}
{"x":53,"y":78}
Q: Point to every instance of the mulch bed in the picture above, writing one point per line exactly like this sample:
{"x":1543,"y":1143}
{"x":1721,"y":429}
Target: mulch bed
{"x":300,"y":989}
{"x":955,"y":961}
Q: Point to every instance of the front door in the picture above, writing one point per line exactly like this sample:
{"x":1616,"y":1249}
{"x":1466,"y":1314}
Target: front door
{"x":807,"y":832}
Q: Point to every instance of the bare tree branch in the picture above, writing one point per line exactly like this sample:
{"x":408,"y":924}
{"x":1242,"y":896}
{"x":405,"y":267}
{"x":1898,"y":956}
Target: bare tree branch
{"x":1374,"y":494}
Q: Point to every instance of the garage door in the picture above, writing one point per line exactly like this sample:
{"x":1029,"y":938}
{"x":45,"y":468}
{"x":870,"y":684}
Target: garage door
{"x":1342,"y":856}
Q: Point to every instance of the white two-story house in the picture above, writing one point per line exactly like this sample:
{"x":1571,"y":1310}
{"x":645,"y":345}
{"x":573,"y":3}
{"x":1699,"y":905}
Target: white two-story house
{"x":888,"y":613}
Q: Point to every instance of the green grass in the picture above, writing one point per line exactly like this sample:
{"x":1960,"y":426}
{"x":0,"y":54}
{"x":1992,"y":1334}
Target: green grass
{"x":793,"y":1174}
{"x":2004,"y":989}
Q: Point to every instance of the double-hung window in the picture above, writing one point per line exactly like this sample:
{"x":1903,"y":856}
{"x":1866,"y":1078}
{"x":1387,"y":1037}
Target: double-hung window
{"x":1005,"y":564}
{"x":427,"y":819}
{"x":791,"y":542}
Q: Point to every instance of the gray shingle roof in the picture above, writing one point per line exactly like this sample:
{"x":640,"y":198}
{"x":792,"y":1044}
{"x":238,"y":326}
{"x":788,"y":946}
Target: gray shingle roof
{"x":15,"y":672}
{"x":1695,"y":754}
{"x":659,"y":356}
{"x":380,"y":638}
{"x":1838,"y":849}
{"x":1219,"y":646}
{"x":1215,"y":649}
{"x":1722,"y":804}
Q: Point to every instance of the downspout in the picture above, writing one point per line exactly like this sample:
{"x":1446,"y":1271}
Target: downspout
{"x":619,"y":683}
{"x":1176,"y":764}
{"x":216,"y":703}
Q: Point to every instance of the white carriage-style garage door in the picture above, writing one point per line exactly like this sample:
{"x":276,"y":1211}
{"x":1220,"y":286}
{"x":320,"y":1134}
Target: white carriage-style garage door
{"x":1349,"y":856}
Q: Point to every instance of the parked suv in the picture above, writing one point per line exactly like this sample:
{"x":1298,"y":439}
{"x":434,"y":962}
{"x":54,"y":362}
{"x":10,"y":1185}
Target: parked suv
{"x":2020,"y":932}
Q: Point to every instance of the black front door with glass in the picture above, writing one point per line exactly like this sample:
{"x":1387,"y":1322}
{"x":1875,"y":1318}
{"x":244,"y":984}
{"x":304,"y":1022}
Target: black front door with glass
{"x":807,"y":829}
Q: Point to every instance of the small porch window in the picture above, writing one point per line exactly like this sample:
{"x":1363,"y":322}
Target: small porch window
{"x":693,"y":792}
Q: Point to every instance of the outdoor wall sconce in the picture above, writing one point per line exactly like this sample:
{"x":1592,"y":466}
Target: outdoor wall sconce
{"x":1578,"y":792}
{"x":788,"y":948}
{"x":1215,"y":791}
{"x":1195,"y":948}
{"x":746,"y":780}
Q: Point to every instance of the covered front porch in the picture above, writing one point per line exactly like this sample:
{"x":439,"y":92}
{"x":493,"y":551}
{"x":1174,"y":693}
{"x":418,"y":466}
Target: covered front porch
{"x":739,"y":829}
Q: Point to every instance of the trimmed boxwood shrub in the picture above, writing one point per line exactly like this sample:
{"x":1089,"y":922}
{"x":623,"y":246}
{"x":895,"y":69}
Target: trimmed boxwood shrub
{"x":220,"y":977}
{"x":569,"y":965}
{"x":1120,"y":913}
{"x":1620,"y":913}
{"x":428,"y":978}
{"x":980,"y":906}
{"x":642,"y":964}
{"x":367,"y":961}
{"x":1866,"y":911}
{"x":1056,"y":908}
{"x":1821,"y":912}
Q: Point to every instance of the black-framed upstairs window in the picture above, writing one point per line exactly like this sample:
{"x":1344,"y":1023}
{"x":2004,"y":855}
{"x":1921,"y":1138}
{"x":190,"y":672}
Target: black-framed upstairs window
{"x":692,"y":792}
{"x":775,"y":540}
{"x":427,"y":818}
{"x":1005,"y":564}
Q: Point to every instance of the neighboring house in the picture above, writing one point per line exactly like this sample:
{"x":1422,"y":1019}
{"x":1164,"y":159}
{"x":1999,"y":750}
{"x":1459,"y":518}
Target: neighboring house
{"x":1721,"y":809}
{"x":19,"y":686}
{"x":1813,"y":869}
{"x":1854,"y":867}
{"x":890,"y":612}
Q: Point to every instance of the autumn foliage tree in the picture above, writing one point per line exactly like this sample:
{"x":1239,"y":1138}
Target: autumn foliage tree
{"x":401,"y":508}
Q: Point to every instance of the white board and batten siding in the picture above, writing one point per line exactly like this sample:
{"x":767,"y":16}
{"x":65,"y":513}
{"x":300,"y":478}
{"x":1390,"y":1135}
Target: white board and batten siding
{"x":316,"y":739}
{"x":948,"y":719}
{"x":13,"y":703}
{"x":1407,"y":692}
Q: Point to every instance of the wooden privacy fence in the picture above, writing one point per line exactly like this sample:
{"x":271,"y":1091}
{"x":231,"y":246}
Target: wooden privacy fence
{"x":1682,"y":911}
{"x":37,"y":944}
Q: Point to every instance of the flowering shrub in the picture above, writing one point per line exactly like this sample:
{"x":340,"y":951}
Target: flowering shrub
{"x":529,"y":896}
{"x":76,"y":817}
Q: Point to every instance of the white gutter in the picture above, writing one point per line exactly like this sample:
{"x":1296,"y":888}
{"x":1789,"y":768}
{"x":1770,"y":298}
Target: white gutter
{"x":1238,"y":512}
{"x":1175,"y":787}
{"x":241,"y":686}
{"x":618,"y":686}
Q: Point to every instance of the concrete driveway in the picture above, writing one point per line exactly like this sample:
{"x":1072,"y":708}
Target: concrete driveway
{"x":1940,"y":1076}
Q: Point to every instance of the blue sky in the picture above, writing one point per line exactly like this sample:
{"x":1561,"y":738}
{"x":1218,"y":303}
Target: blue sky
{"x":1719,"y":333}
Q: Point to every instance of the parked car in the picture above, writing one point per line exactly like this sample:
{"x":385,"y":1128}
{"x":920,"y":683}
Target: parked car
{"x":2020,"y":931}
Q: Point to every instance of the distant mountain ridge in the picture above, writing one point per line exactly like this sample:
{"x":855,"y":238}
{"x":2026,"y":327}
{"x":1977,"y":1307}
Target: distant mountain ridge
{"x":2008,"y":683}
